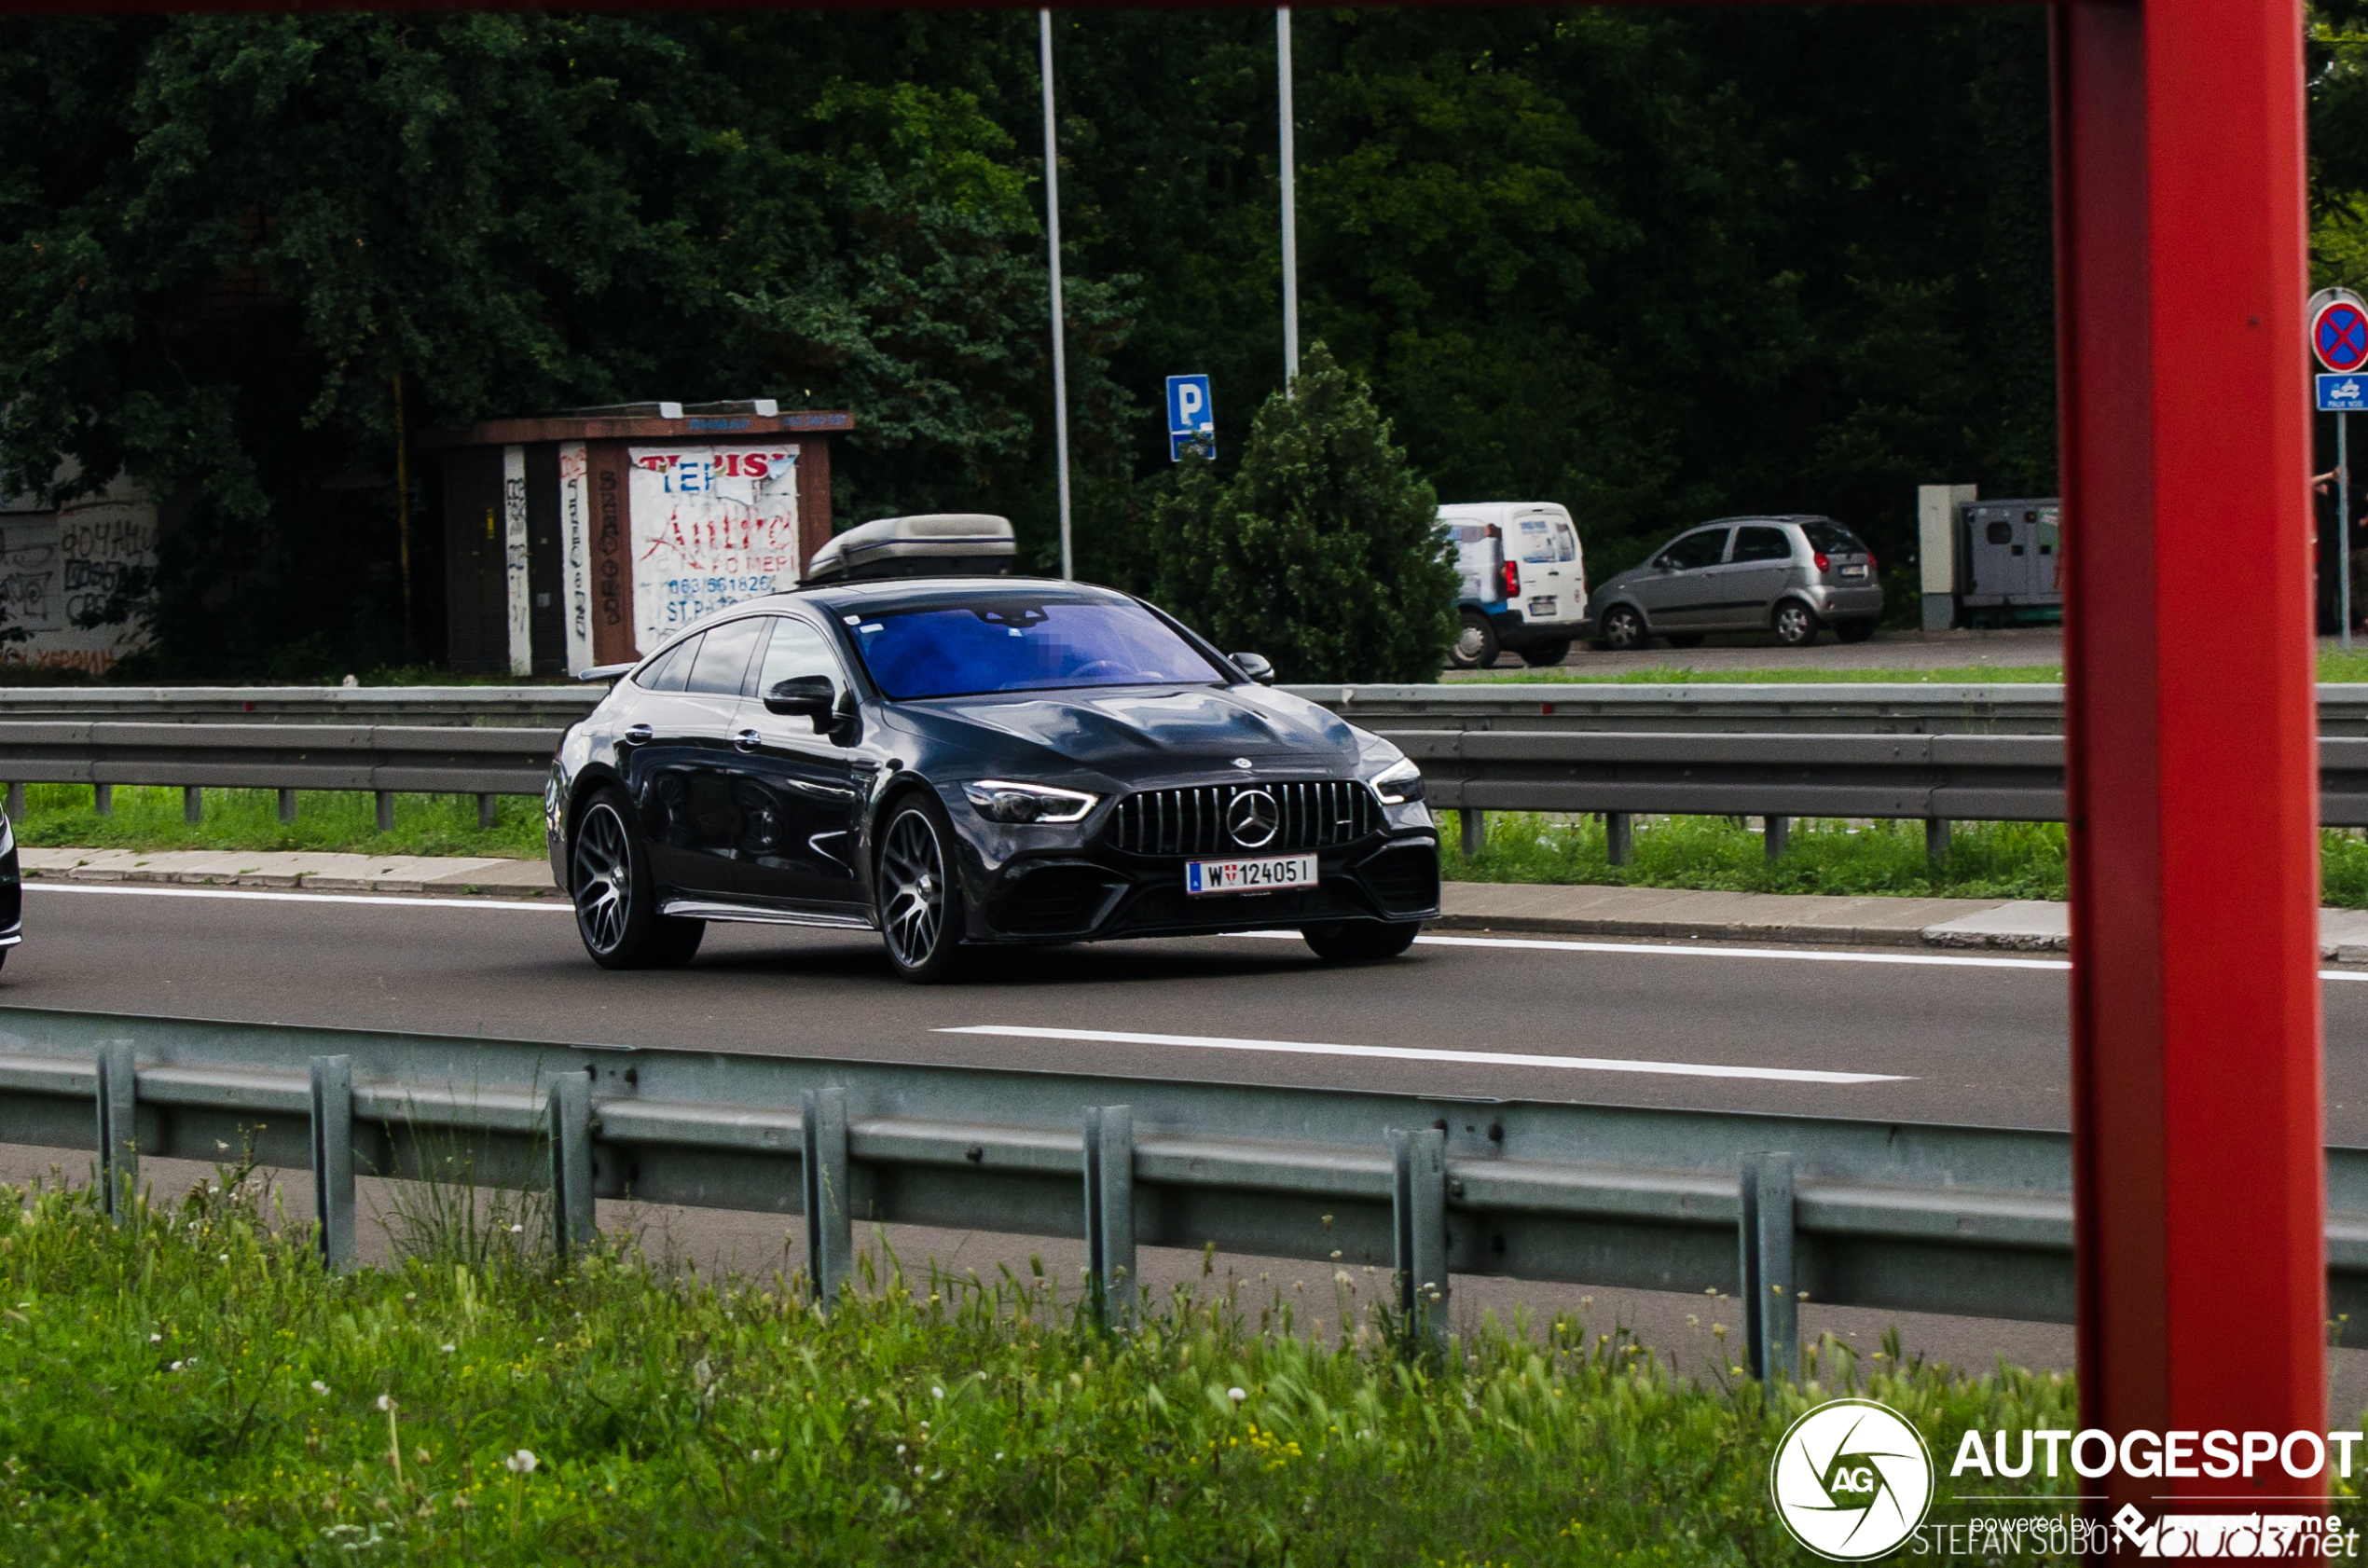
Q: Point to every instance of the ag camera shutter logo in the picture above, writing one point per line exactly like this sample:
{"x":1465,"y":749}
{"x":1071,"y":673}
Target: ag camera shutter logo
{"x":1851,"y":1480}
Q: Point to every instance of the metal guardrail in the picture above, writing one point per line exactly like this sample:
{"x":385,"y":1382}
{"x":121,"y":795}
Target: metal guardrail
{"x":1911,"y":1217}
{"x":1966,"y":754}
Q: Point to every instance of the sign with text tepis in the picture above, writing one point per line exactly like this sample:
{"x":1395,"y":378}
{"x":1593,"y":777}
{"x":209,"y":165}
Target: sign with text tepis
{"x":712,"y":525}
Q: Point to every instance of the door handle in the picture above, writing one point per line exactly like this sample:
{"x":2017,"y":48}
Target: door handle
{"x":747,"y":740}
{"x":640,"y":735}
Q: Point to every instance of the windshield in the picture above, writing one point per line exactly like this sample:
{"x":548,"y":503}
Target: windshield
{"x":1017,"y":643}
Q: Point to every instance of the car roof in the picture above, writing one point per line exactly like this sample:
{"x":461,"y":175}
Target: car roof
{"x":1766,"y":517}
{"x":873,"y":593}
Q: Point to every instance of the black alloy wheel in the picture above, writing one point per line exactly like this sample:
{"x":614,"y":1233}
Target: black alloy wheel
{"x":921,"y":902}
{"x":616,"y":897}
{"x":1475,"y":646}
{"x":1796,"y":624}
{"x":1543,"y":655}
{"x":1624,"y":629}
{"x":1361,"y":941}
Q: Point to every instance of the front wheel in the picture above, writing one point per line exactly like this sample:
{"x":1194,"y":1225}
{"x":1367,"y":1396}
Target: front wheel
{"x":1361,"y":941}
{"x":1540,"y":655}
{"x":920,"y":900}
{"x":1623,"y":629}
{"x":616,"y":897}
{"x":1474,"y":644}
{"x":1796,"y":624}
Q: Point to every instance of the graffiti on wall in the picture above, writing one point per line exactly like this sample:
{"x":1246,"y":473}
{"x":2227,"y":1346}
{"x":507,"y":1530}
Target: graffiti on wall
{"x":575,"y":552}
{"x":713,"y":526}
{"x":59,"y":567}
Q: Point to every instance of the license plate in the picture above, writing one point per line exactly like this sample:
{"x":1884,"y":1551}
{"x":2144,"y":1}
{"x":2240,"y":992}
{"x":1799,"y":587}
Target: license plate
{"x":1541,"y":607}
{"x":1853,"y":572}
{"x":1249,"y":876}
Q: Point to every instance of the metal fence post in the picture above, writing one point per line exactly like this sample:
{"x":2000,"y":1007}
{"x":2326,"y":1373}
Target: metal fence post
{"x":1475,"y":826}
{"x":1109,"y":1213}
{"x":1771,"y":1293}
{"x":287,"y":805}
{"x":1779,"y":832}
{"x":386,"y":810}
{"x":192,"y":804}
{"x":102,"y":800}
{"x":1419,"y":1211}
{"x":118,"y":1142}
{"x":333,"y":1159}
{"x":487,"y":805}
{"x":573,"y":1221}
{"x":15,"y":803}
{"x":1936,"y":840}
{"x":829,"y":1232}
{"x":1620,"y":842}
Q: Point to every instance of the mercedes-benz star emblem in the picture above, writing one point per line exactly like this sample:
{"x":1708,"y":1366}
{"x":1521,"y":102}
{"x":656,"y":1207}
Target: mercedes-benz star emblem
{"x":1252,"y":818}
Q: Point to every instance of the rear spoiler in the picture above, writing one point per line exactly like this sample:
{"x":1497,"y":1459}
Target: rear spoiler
{"x":605,"y":672}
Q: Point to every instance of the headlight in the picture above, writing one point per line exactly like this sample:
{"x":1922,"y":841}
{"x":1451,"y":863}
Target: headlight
{"x":1400,"y":782}
{"x":1001,"y":802}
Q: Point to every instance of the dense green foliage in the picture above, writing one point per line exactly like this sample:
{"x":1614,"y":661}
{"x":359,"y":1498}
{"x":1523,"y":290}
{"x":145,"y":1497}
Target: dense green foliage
{"x":1653,"y":263}
{"x":145,"y":819}
{"x":1322,"y":551}
{"x":195,"y":1390}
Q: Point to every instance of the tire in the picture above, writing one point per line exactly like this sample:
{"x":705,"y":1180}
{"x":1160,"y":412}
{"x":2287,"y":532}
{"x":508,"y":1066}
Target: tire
{"x":1623,"y":629}
{"x":1684,"y":639}
{"x":1361,"y":941}
{"x":1543,"y":655}
{"x":920,"y":893}
{"x":1855,"y":631}
{"x":1475,"y":646}
{"x":1794,"y":623}
{"x":616,"y":896}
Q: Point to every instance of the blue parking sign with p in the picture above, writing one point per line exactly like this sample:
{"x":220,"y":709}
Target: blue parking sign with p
{"x":1191,"y":422}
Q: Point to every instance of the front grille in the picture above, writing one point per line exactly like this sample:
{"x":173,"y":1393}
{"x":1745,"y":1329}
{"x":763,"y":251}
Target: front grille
{"x":1192,"y":821}
{"x":1404,"y":879}
{"x":1054,"y":899}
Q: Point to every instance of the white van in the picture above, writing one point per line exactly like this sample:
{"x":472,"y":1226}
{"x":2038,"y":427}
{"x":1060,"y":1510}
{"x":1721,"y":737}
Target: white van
{"x":1525,"y":580}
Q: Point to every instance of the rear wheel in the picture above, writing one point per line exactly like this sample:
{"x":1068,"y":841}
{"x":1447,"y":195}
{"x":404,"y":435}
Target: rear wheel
{"x":1539,"y":655}
{"x":920,"y":898}
{"x":1361,"y":941}
{"x":617,"y":899}
{"x":1623,"y":628}
{"x":1855,"y":631}
{"x":1475,"y":646}
{"x":1796,"y":624}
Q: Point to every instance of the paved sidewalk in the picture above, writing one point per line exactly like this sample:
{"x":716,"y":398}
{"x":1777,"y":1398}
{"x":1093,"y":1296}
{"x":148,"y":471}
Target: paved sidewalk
{"x":1666,"y":914}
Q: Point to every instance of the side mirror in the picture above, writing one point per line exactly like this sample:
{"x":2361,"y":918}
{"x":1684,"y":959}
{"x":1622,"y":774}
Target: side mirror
{"x":1256,"y":667}
{"x":808,"y":696}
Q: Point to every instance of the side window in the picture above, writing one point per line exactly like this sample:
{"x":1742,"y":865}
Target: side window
{"x":1702,"y":548}
{"x":1537,"y":542}
{"x":1565,"y":543}
{"x":1762,"y":544}
{"x":722,"y":664}
{"x":797,"y":649}
{"x":668,"y":672}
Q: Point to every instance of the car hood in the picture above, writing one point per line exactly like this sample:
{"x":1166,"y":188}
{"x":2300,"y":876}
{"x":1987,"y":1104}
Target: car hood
{"x":1134,"y":731}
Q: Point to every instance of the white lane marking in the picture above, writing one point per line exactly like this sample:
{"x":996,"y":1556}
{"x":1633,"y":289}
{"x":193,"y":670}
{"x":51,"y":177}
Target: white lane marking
{"x":1703,"y":950}
{"x":1407,"y":1053}
{"x":1690,"y":950}
{"x":414,"y":900}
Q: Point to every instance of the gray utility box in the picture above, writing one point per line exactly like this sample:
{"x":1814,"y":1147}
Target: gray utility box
{"x":1989,"y":562}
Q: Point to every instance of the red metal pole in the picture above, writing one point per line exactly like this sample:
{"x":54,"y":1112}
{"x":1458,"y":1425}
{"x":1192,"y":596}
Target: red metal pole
{"x":2192,"y":749}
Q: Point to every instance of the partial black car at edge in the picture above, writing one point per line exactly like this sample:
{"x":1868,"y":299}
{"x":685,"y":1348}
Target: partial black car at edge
{"x":959,"y":763}
{"x":11,"y":891}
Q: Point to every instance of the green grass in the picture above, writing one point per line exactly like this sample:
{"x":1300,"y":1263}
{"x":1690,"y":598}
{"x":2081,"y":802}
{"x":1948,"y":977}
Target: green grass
{"x":150,"y":819}
{"x":1986,"y":860}
{"x":194,"y":1389}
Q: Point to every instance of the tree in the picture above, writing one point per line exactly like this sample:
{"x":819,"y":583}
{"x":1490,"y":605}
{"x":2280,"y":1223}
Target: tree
{"x":1323,"y":551}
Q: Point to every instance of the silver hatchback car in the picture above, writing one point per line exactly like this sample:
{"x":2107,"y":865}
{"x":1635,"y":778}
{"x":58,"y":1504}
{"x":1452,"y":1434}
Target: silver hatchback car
{"x":1788,"y":575}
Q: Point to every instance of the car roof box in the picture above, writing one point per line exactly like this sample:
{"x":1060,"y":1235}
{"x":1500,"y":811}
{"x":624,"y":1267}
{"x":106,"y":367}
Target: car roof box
{"x":932,"y":544}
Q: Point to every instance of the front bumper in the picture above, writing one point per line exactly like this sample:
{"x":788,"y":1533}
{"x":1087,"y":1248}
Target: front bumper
{"x":1073,"y":886}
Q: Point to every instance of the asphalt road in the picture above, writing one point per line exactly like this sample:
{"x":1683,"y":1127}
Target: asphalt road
{"x":1880,"y":1033}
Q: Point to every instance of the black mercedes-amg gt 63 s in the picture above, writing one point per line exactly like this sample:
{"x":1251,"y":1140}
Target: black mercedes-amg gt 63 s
{"x":960,"y":762}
